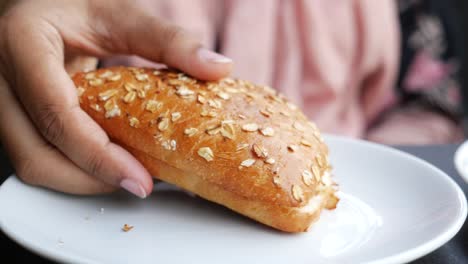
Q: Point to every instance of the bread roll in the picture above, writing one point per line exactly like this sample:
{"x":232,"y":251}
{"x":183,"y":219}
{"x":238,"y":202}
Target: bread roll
{"x":231,"y":142}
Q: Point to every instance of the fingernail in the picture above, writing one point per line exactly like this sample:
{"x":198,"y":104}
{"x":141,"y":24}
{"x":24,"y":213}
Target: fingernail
{"x":210,"y":56}
{"x":133,"y":187}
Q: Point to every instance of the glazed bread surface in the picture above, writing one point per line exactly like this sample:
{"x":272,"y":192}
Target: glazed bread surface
{"x":231,"y":142}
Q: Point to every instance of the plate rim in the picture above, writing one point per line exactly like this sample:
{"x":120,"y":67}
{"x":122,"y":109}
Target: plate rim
{"x":461,"y":151}
{"x":401,"y":257}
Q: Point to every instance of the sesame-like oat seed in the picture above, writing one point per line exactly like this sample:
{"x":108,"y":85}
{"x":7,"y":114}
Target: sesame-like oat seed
{"x":114,"y":77}
{"x":292,"y":148}
{"x":175,"y":82}
{"x":247,"y":163}
{"x":223,"y":95}
{"x":265,"y":113}
{"x":204,"y":112}
{"x":106,"y":74}
{"x":259,"y":151}
{"x":163,"y":124}
{"x":175,"y":116}
{"x":229,"y":81}
{"x":227,"y":129}
{"x":90,"y":76}
{"x":320,"y":161}
{"x":173,"y":144}
{"x":166,"y":145}
{"x":212,"y":114}
{"x":147,"y":87}
{"x":80,"y":91}
{"x":215,"y":103}
{"x":316,"y":172}
{"x":153,"y":106}
{"x":276,"y":180}
{"x":206,"y":153}
{"x":306,"y":143}
{"x":134,"y":122}
{"x":231,"y":90}
{"x":104,"y":96}
{"x":96,"y":107}
{"x":109,"y":105}
{"x":190,"y":131}
{"x":307,"y":177}
{"x":142,"y":77}
{"x":213,"y":130}
{"x":242,"y":146}
{"x":115,"y":111}
{"x":130,"y":87}
{"x":129,"y":97}
{"x":267,"y":131}
{"x":184,"y":91}
{"x":96,"y":82}
{"x":297,"y":193}
{"x":201,"y":99}
{"x":141,"y":94}
{"x":250,"y":127}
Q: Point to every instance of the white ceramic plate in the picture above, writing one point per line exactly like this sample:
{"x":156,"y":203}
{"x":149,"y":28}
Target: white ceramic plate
{"x":394,"y":208}
{"x":461,"y":160}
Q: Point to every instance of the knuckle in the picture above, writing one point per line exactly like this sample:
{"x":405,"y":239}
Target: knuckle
{"x":94,"y":164}
{"x":51,"y":124}
{"x":170,"y":35}
{"x":173,"y":33}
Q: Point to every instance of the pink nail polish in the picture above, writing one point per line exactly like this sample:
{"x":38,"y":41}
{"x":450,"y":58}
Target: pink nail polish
{"x":210,"y":56}
{"x":133,"y":187}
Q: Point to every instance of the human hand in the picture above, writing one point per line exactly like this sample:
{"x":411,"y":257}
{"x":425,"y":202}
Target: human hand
{"x":50,"y":140}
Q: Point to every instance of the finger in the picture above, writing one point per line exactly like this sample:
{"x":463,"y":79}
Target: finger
{"x":35,"y":161}
{"x":49,"y":96}
{"x":76,"y":64}
{"x":143,"y":34}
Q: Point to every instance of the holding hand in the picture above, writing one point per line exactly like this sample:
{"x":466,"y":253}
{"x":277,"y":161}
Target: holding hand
{"x":50,"y":140}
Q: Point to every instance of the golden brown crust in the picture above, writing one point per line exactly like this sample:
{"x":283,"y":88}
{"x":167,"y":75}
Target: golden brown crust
{"x":242,"y":140}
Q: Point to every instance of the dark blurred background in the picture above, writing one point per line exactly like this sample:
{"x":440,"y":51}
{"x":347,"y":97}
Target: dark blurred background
{"x":460,"y":8}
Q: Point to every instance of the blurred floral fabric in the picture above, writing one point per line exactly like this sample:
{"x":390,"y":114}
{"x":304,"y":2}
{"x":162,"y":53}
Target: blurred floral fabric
{"x":429,"y":72}
{"x":429,"y":101}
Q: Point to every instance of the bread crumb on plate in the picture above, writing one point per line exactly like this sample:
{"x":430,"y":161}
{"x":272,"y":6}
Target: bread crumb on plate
{"x":127,"y":228}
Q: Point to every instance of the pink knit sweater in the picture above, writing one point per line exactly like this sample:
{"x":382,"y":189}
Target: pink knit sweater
{"x":335,"y":59}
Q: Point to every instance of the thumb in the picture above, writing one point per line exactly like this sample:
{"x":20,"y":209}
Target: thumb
{"x":146,"y":35}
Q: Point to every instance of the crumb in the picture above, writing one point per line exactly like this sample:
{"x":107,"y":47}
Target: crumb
{"x":102,"y":210}
{"x":60,"y":242}
{"x":87,"y":218}
{"x":127,"y":228}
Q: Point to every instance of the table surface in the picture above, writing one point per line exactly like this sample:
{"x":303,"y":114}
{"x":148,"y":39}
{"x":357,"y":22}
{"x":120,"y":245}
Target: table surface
{"x":454,"y":252}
